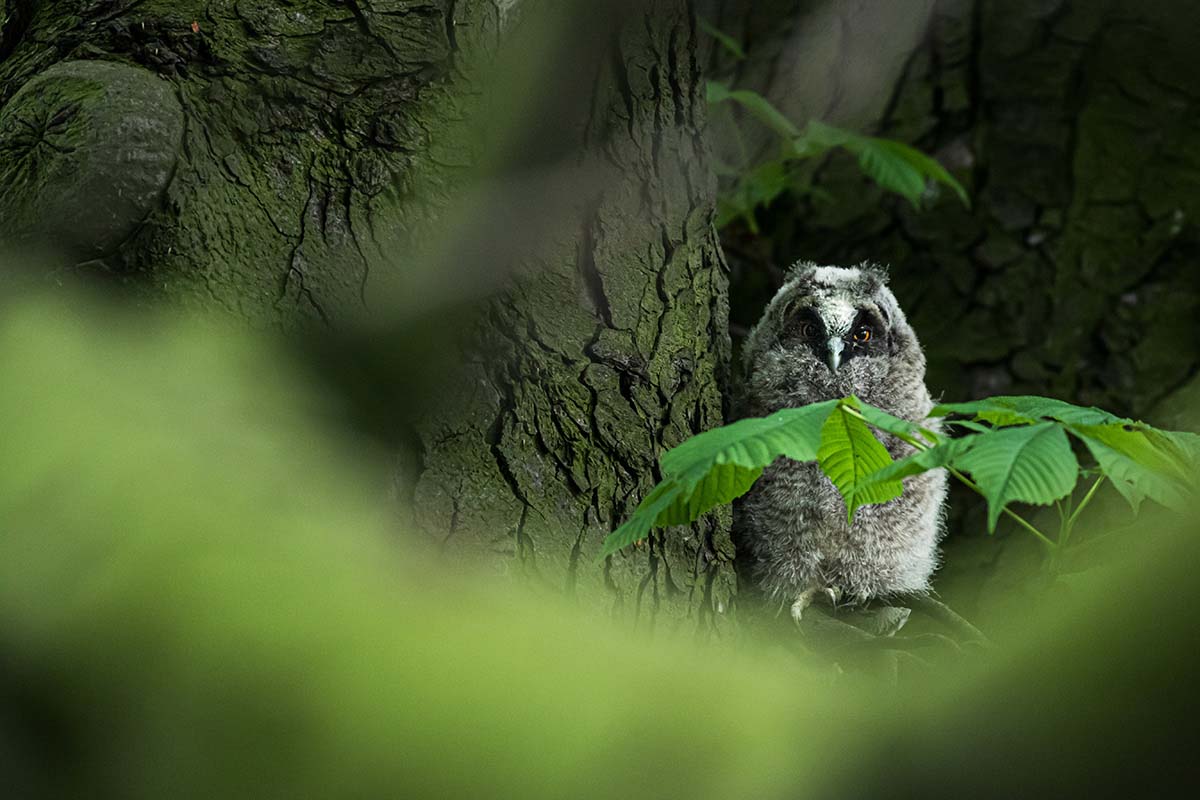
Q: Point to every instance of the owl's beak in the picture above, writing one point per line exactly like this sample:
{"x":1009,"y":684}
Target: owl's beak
{"x":833,"y":353}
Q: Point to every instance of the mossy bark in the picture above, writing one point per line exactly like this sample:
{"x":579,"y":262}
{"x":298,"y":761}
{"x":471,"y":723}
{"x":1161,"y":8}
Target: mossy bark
{"x":315,"y":136}
{"x":610,"y":350}
{"x":1076,"y":127}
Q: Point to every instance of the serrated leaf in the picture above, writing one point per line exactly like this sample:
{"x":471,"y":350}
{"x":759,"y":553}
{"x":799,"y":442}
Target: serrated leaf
{"x":848,"y":453}
{"x":1032,"y":464}
{"x":925,"y":165}
{"x":717,"y":466}
{"x":1025,"y":409}
{"x":893,"y":165}
{"x":878,"y":418}
{"x":940,"y":455}
{"x":892,"y":173}
{"x":1142,"y":462}
{"x":754,"y":442}
{"x":722,"y":484}
{"x":644,"y":517}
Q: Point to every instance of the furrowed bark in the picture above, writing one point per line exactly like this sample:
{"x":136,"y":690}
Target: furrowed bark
{"x":611,"y":350}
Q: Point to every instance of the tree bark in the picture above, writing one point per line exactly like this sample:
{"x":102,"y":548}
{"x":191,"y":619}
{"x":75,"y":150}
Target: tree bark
{"x":611,"y":351}
{"x":282,"y":161}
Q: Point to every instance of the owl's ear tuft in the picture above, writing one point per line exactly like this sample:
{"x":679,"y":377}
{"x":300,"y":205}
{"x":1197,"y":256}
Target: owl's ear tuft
{"x":799,"y":269}
{"x":876,"y":275}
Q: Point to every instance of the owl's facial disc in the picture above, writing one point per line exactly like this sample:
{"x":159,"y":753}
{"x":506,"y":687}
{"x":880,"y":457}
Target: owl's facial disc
{"x":836,"y":331}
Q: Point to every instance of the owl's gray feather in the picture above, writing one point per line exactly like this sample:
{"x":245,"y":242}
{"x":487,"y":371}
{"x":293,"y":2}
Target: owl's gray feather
{"x":792,"y":526}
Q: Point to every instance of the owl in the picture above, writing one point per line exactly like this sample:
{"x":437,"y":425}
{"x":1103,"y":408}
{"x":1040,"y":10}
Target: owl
{"x":830,"y":332}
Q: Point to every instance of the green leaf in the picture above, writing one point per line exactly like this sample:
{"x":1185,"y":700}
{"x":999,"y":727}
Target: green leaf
{"x":1025,"y":457}
{"x":1025,"y":410}
{"x":965,"y":424}
{"x":728,"y":211}
{"x":723,"y":484}
{"x":924,"y":165}
{"x":893,"y":165}
{"x":716,"y":92}
{"x":725,"y":40}
{"x":1142,"y":462}
{"x":1032,"y":464}
{"x":644,"y":517}
{"x":878,"y":418}
{"x":714,"y":467}
{"x":758,"y":106}
{"x":942,"y":452}
{"x":754,"y":442}
{"x":753,"y":188}
{"x":761,"y":185}
{"x":940,"y":455}
{"x":892,"y":173}
{"x":819,"y":137}
{"x":848,"y":453}
{"x":1188,"y":445}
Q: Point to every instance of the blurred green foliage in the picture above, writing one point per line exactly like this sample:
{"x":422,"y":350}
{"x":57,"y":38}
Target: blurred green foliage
{"x":750,"y":184}
{"x":204,"y":594}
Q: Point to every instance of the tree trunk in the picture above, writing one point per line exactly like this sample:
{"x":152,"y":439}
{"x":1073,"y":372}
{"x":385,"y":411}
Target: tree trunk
{"x":283,"y":160}
{"x":612,"y":350}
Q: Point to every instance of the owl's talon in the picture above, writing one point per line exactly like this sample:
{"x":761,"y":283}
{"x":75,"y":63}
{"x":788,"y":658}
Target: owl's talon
{"x":803,"y":601}
{"x":833,"y":594}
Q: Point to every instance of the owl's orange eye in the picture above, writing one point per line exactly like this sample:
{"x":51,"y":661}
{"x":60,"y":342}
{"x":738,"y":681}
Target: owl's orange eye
{"x":808,"y":330}
{"x":862,"y":335}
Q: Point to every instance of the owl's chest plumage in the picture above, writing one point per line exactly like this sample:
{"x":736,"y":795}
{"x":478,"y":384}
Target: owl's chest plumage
{"x":793,"y":526}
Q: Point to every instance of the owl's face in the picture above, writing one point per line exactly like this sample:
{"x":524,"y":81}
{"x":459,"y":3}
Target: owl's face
{"x":835,"y":329}
{"x":831,"y":332}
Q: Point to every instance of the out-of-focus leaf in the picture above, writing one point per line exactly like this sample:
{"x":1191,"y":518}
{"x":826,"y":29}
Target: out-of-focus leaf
{"x":724,"y":39}
{"x":203,"y":594}
{"x":893,"y":165}
{"x":924,"y":165}
{"x":892,"y":173}
{"x":754,"y":103}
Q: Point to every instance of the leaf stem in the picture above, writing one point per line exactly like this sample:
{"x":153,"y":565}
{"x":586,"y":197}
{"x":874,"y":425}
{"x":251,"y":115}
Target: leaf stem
{"x":1087,"y":498}
{"x":1046,"y":540}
